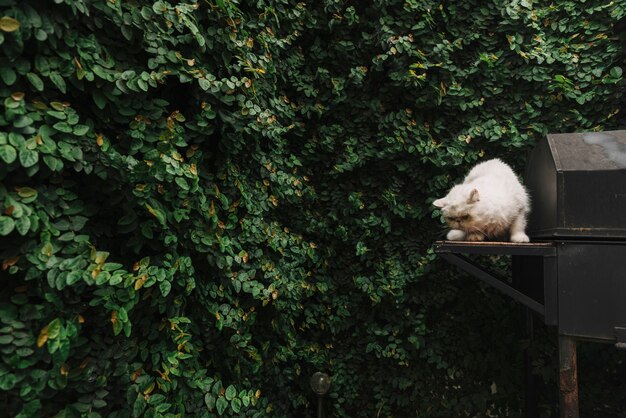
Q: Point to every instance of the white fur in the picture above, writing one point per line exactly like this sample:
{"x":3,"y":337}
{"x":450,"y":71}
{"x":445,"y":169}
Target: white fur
{"x":489,"y":204}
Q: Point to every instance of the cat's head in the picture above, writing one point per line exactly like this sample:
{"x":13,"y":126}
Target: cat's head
{"x":459,"y":206}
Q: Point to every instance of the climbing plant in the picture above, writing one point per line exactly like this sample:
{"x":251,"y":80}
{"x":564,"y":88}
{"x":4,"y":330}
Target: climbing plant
{"x":203,"y":203}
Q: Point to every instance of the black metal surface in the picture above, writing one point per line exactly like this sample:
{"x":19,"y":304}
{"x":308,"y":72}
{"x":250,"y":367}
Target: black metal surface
{"x":575,"y":285}
{"x":592,"y":289}
{"x":620,"y":336}
{"x":495,"y":248}
{"x":577,"y":184}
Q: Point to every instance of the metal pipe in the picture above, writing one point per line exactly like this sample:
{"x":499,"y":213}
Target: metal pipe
{"x":530,"y":380}
{"x":320,"y":406}
{"x":568,"y":377}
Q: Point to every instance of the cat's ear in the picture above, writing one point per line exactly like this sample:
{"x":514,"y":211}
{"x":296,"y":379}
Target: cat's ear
{"x":439,"y":203}
{"x":473,"y":197}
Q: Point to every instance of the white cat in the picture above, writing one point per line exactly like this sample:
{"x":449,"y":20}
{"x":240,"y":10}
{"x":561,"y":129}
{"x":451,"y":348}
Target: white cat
{"x":490,"y":204}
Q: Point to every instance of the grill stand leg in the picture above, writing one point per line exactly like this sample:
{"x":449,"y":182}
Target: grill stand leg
{"x":568,"y":378}
{"x":530,"y":381}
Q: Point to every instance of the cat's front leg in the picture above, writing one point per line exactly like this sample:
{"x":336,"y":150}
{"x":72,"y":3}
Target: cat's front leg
{"x":456,"y":235}
{"x":517,"y":229}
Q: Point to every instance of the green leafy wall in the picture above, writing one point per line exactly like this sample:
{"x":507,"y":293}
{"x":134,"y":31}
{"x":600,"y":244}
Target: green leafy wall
{"x":204,"y":203}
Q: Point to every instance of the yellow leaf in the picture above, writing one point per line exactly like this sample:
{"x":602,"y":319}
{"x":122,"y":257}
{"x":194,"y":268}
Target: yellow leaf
{"x":101,"y":257}
{"x":8,"y":24}
{"x":176,"y":156}
{"x":136,"y":374}
{"x":65,"y":370}
{"x":95,"y":272}
{"x":140,"y":281}
{"x":149,"y":389}
{"x":9,"y":262}
{"x":164,"y":376}
{"x":212,"y":209}
{"x":43,"y":337}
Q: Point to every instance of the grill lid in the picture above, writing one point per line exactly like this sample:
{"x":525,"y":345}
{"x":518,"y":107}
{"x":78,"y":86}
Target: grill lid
{"x":577,"y":184}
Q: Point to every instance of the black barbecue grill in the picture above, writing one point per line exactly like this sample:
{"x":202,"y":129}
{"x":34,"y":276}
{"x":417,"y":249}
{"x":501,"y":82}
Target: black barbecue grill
{"x":571,"y":274}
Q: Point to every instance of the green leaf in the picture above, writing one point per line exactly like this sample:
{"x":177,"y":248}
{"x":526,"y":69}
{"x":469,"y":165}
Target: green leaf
{"x":62,"y":127}
{"x":22,"y":225}
{"x":58,"y":81}
{"x":102,"y":278}
{"x":158,"y":7}
{"x":209,"y":401}
{"x":221,"y":405}
{"x":73,"y":277}
{"x":165,"y":287}
{"x":9,"y":77}
{"x":28,"y":158}
{"x":116,"y":279}
{"x":616,"y":72}
{"x":81,"y":130}
{"x":57,"y":114}
{"x":235,"y":405}
{"x":139,"y":405}
{"x":36,"y":81}
{"x":204,"y":84}
{"x":54,"y":328}
{"x":160,"y":408}
{"x":24,"y":352}
{"x":99,"y":99}
{"x":156,"y":399}
{"x":182,"y":183}
{"x":22,"y":122}
{"x":27,"y":193}
{"x":230,"y":393}
{"x":157,"y":213}
{"x":53,"y":163}
{"x":6,"y":225}
{"x":7,"y":381}
{"x":112,"y":266}
{"x":30,"y":409}
{"x":8,"y":153}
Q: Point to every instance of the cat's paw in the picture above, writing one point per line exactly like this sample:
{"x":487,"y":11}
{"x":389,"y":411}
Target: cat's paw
{"x":474,"y":236}
{"x":519,"y":237}
{"x":455,"y":235}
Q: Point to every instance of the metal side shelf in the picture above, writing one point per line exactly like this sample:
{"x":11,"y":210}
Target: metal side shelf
{"x":455,"y":252}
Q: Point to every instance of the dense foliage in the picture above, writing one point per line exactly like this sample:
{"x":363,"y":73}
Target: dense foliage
{"x":204,"y":203}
